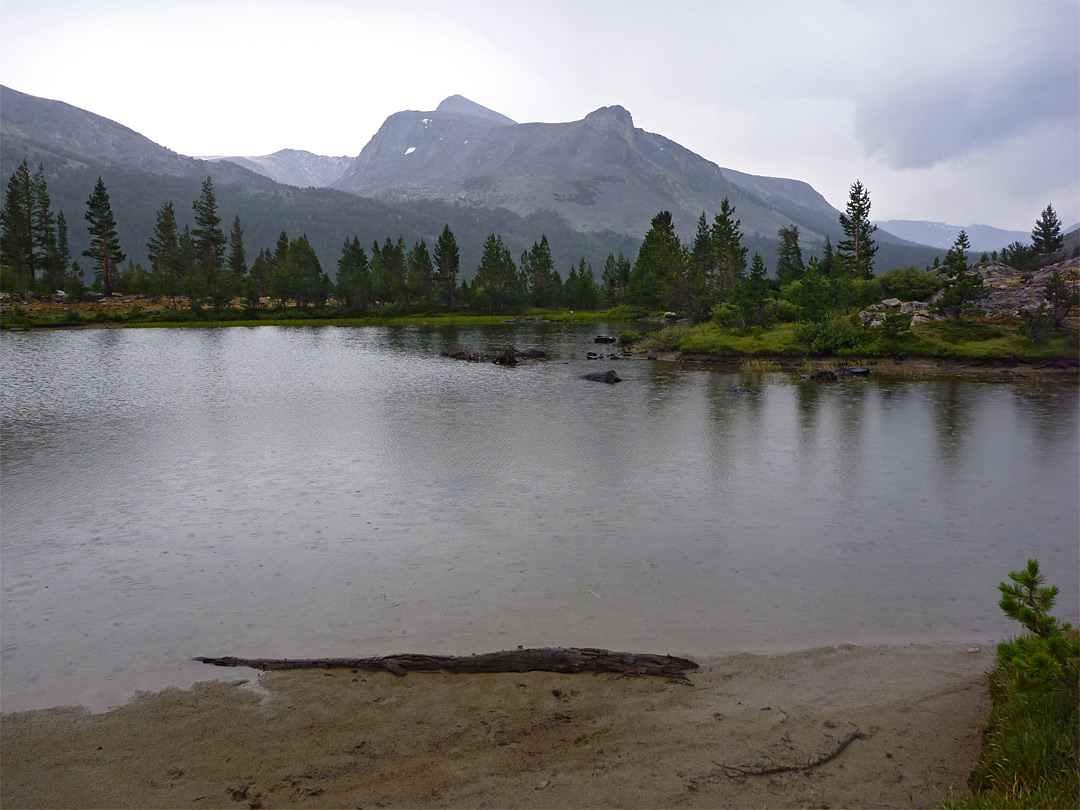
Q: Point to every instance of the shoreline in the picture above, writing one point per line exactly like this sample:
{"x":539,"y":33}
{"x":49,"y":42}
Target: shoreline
{"x":332,"y":738}
{"x":883,"y":367}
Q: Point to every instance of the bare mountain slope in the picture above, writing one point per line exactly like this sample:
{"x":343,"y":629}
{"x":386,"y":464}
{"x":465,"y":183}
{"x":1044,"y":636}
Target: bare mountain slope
{"x":599,"y":173}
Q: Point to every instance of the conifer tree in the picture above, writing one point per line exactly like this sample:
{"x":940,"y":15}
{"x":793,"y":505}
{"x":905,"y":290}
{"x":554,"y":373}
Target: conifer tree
{"x":43,"y":228}
{"x":447,"y":267}
{"x":812,"y":298}
{"x":1046,"y":238}
{"x":789,"y":261}
{"x":729,"y":255}
{"x":63,"y":248}
{"x":104,"y":247}
{"x":236,"y":259}
{"x":388,"y":271}
{"x":580,"y":290}
{"x":660,"y":259}
{"x":752,"y":292}
{"x":856,"y":252}
{"x":16,"y":243}
{"x":701,"y":256}
{"x":961,"y":288}
{"x":497,"y":286}
{"x":209,"y":238}
{"x":828,"y":259}
{"x":190,"y":282}
{"x":354,"y":276}
{"x":615,"y":277}
{"x":419,"y":274}
{"x":1060,"y":297}
{"x":538,"y":269}
{"x":163,"y":250}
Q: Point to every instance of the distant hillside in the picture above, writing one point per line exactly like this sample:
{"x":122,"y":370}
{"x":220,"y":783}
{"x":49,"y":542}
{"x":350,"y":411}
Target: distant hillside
{"x":77,"y":146}
{"x":294,"y":167}
{"x":942,"y":236}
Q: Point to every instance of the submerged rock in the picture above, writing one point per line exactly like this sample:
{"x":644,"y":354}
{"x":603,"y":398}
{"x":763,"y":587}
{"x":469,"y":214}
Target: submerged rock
{"x":608,"y":376}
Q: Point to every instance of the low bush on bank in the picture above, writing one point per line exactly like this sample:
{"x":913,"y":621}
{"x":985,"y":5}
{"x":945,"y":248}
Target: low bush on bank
{"x":1031,"y":750}
{"x":844,"y":337}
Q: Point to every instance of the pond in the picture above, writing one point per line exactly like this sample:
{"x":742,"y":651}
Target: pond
{"x":310,"y":492}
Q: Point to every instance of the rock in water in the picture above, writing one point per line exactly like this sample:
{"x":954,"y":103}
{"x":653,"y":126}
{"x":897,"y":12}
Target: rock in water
{"x":608,"y":376}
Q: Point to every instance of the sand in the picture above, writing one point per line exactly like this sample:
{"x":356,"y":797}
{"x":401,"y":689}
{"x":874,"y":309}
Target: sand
{"x":340,"y":738}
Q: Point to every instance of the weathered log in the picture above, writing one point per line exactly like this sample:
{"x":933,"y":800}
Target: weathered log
{"x":547,"y":659}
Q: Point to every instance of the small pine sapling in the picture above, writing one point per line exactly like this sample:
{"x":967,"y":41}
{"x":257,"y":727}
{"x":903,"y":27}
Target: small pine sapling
{"x":1047,"y":657}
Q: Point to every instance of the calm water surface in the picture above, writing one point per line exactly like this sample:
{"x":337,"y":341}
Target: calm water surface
{"x":285,"y":492}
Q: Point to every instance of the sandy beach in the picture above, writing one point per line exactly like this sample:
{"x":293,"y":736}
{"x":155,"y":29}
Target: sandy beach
{"x":342,"y":738}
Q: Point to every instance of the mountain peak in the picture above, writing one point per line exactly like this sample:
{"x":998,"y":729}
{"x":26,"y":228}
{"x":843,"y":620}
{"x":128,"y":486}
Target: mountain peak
{"x":610,"y":117}
{"x":462,"y":106}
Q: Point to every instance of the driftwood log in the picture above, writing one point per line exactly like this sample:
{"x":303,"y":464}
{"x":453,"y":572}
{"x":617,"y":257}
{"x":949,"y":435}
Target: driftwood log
{"x":548,"y":659}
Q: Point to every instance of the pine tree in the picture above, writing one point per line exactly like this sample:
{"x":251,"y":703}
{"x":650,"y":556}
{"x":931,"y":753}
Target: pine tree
{"x":17,"y":243}
{"x":961,"y":288}
{"x":729,"y":255}
{"x":104,"y":247}
{"x":1060,"y":297}
{"x":388,"y":271}
{"x":828,"y":259}
{"x":701,"y":256}
{"x":812,"y":298}
{"x":163,"y":250}
{"x":209,"y":238}
{"x":613,"y":279}
{"x":752,"y":292}
{"x":1046,"y":238}
{"x":497,"y":286}
{"x":354,"y":276}
{"x":63,"y":248}
{"x":43,"y":229}
{"x":856,"y":252}
{"x":538,"y":269}
{"x":447,"y":267}
{"x":660,"y":260}
{"x":419,"y":274}
{"x":236,"y":260}
{"x":789,"y":261}
{"x":189,"y":280}
{"x":311,"y":284}
{"x":580,"y":290}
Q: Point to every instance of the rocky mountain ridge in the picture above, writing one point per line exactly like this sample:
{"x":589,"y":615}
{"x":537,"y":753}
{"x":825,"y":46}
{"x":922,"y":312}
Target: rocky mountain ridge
{"x":293,"y":167}
{"x":598,"y":173}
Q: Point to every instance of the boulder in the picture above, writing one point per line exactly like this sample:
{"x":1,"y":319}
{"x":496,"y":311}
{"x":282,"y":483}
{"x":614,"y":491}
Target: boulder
{"x":533,"y":354}
{"x":608,"y":376}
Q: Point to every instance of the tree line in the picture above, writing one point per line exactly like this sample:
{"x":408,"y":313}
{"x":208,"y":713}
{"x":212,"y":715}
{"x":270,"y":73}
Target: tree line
{"x":711,"y":277}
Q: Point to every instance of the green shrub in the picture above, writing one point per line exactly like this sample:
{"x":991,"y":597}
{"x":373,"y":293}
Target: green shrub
{"x":778,"y":310}
{"x":726,"y":315}
{"x":671,"y":338}
{"x":829,"y":337}
{"x":1036,"y":324}
{"x":895,"y":323}
{"x":909,"y":284}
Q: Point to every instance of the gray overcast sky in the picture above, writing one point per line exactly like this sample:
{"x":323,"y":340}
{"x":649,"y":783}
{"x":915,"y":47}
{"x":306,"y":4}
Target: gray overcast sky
{"x":963,"y":112}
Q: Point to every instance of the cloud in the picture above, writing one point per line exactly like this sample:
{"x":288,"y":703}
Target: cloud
{"x":1009,"y":76}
